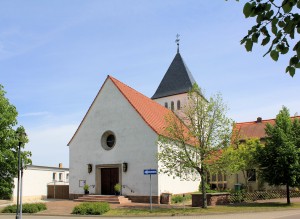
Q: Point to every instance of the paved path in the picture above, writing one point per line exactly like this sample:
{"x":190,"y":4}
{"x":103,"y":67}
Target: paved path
{"x":288,"y":214}
{"x":63,"y":209}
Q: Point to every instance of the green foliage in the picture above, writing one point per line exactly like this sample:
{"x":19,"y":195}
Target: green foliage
{"x":209,"y":190}
{"x":86,"y":187}
{"x":279,"y":160}
{"x":277,"y":25}
{"x":237,"y":196}
{"x":189,"y":145}
{"x":26,"y":208}
{"x":117,"y":187}
{"x":241,"y":157}
{"x":96,"y":208}
{"x":207,"y":187}
{"x":9,"y":140}
{"x":10,"y":209}
{"x":180,"y":198}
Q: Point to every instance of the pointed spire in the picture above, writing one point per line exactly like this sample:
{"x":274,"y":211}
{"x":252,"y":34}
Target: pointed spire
{"x":177,"y":42}
{"x":177,"y":80}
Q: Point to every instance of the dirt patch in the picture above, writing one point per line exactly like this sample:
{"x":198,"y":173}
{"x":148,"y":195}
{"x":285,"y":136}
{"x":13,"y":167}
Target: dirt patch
{"x":4,"y":202}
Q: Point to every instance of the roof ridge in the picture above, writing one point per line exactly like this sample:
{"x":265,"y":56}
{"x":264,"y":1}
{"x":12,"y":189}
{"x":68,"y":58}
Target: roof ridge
{"x":149,"y":99}
{"x":134,"y":105}
{"x":264,"y":120}
{"x":114,"y":79}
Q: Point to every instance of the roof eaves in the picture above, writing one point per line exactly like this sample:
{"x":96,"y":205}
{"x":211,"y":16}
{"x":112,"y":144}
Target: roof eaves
{"x":46,"y":167}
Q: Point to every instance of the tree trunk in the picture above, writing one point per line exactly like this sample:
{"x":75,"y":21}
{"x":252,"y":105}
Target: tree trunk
{"x":203,"y":188}
{"x":246,"y":180}
{"x":288,"y":194}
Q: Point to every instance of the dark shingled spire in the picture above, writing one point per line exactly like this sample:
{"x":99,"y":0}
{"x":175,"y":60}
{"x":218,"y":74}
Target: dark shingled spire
{"x":177,"y":80}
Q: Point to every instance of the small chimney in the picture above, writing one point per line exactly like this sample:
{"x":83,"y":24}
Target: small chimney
{"x":60,"y":165}
{"x":259,"y":119}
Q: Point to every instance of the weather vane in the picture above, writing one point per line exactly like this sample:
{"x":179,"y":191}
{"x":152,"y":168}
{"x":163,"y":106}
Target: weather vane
{"x":177,"y":42}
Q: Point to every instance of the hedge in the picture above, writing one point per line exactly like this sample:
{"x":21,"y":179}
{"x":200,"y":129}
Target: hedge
{"x":26,"y":208}
{"x":96,"y":208}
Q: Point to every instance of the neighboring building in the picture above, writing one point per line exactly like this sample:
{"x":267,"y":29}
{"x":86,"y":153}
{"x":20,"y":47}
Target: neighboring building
{"x":117,"y":139}
{"x":37,"y":178}
{"x":244,"y":131}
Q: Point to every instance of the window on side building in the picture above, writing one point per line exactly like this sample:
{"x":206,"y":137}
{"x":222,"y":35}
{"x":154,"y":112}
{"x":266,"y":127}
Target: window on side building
{"x":178,"y":104}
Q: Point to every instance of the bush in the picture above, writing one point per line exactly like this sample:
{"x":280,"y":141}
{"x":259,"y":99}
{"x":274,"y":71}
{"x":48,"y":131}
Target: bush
{"x":237,"y":197}
{"x":26,"y":208}
{"x":96,"y":208}
{"x":179,"y":198}
{"x":10,"y":209}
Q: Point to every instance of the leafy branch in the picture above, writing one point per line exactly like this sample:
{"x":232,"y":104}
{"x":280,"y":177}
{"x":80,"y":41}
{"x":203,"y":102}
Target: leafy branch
{"x":276,"y":25}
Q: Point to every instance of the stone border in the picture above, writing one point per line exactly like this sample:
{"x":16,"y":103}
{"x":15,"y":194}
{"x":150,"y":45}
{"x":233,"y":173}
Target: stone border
{"x":213,"y":199}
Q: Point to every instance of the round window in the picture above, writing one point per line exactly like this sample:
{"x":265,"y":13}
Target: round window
{"x":108,"y":140}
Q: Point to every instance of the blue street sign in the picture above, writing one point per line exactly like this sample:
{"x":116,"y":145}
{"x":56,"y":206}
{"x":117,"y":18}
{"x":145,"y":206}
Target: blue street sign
{"x":150,"y":172}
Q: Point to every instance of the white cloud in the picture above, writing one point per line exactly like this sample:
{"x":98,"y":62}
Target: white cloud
{"x":35,"y":114}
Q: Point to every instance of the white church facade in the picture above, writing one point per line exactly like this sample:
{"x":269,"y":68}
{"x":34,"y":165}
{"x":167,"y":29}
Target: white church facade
{"x":117,"y":139}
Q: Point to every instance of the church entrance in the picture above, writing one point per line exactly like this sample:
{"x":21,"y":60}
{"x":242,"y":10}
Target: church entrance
{"x":109,"y":178}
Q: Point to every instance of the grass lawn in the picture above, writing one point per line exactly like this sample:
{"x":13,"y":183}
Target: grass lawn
{"x":249,"y":207}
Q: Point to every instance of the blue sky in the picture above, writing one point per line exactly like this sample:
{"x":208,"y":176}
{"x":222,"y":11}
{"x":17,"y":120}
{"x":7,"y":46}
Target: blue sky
{"x":55,"y":55}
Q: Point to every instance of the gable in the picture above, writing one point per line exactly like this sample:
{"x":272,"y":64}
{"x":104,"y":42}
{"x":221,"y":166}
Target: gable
{"x":152,"y":113}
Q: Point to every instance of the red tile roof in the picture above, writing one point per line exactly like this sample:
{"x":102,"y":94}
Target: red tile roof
{"x":151,"y":112}
{"x":254,"y":129}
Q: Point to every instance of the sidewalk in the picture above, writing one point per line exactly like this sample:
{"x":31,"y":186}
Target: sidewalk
{"x":65,"y":207}
{"x":280,"y":200}
{"x":59,"y":207}
{"x":5,"y":202}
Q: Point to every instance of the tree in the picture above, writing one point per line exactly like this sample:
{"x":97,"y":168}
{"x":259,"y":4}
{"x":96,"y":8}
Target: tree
{"x":9,"y":140}
{"x":242,"y":157}
{"x":189,"y":143}
{"x":277,"y":24}
{"x":279,"y":160}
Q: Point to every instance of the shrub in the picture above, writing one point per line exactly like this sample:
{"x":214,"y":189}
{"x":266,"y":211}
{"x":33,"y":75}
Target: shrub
{"x":86,"y":187}
{"x":26,"y":208}
{"x":117,"y":187}
{"x":96,"y":208}
{"x":10,"y":209}
{"x":179,"y":198}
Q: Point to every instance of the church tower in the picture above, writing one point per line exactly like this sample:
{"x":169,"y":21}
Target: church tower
{"x":172,"y":91}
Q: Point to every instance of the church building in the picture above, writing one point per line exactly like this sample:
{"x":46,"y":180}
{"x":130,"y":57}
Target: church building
{"x":117,"y":139}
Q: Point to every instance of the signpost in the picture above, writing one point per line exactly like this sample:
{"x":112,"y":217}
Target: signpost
{"x":150,"y":172}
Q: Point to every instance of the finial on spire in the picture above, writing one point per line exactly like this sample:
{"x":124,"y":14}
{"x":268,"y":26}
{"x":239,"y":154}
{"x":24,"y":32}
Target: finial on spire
{"x":177,"y":42}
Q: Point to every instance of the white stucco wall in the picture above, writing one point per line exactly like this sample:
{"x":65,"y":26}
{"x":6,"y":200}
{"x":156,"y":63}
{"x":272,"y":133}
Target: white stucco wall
{"x":178,"y":186}
{"x":182,"y":97}
{"x":135,"y":144}
{"x":35,"y":181}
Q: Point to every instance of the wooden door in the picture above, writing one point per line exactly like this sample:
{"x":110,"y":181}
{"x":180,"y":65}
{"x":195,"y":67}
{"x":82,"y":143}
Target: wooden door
{"x":109,"y":178}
